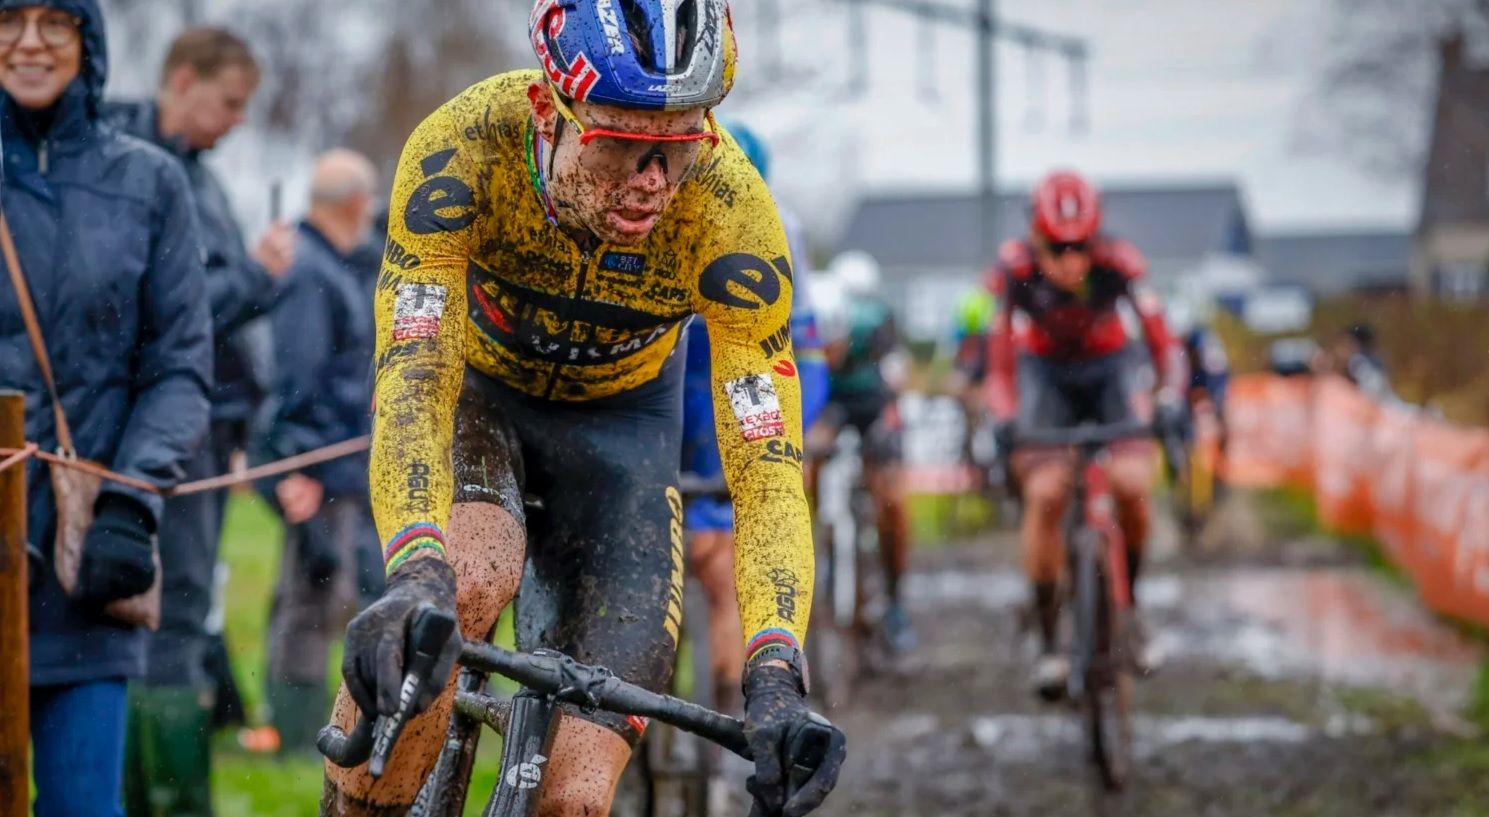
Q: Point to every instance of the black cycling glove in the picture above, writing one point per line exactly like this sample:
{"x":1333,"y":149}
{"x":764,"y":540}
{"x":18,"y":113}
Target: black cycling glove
{"x":118,"y":561}
{"x":377,"y":640}
{"x":777,"y":721}
{"x":1170,"y":419}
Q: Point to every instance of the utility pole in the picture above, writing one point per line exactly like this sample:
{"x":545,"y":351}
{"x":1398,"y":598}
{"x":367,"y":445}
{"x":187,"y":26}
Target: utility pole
{"x":988,"y":29}
{"x":987,"y":130}
{"x":858,"y":46}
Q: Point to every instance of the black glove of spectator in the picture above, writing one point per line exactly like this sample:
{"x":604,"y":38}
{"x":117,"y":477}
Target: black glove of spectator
{"x":117,"y":557}
{"x":377,"y":640}
{"x":776,"y":718}
{"x":318,"y":557}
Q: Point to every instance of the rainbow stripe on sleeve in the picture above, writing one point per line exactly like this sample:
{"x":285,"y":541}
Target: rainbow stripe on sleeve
{"x":773,"y":637}
{"x":416,"y":537}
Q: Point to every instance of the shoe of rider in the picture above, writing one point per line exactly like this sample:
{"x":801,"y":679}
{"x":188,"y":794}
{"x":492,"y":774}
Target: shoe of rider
{"x":378,"y":639}
{"x":1146,"y":657}
{"x":1051,"y":675}
{"x":776,"y":715}
{"x":897,"y":629}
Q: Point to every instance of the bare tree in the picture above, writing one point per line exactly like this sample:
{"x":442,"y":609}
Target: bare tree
{"x":1374,"y":96}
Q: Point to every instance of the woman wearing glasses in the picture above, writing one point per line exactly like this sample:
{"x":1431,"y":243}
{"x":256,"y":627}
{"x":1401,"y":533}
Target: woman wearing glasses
{"x":107,"y":241}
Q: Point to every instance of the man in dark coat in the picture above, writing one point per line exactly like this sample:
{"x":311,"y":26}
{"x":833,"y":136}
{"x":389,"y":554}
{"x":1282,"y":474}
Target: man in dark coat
{"x":108,"y":241}
{"x":208,"y":78}
{"x":323,"y":329}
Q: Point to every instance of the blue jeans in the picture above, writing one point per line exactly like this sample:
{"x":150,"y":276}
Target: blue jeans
{"x":77,"y":746}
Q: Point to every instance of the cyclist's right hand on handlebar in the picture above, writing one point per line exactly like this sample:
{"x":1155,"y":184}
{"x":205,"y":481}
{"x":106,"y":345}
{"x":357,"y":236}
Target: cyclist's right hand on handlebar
{"x":377,"y":640}
{"x":797,"y":754}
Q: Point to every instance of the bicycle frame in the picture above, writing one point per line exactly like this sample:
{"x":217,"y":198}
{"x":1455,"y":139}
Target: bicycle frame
{"x":1092,"y":511}
{"x":1093,"y":497}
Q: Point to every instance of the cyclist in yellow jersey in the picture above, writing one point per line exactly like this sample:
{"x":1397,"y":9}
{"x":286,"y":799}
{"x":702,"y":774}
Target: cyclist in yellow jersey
{"x":550,"y":234}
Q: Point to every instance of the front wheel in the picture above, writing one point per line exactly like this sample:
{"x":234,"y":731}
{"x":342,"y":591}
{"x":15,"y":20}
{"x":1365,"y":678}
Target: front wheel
{"x":1101,"y":678}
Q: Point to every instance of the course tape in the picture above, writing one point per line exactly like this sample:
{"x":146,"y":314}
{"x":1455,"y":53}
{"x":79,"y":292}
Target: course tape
{"x":15,"y":456}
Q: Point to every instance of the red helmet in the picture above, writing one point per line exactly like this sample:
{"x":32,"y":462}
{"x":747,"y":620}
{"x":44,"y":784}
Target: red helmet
{"x":1066,"y":208}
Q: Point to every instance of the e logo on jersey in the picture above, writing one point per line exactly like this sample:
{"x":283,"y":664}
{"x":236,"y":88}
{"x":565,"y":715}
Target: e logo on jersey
{"x":442,"y":204}
{"x":744,"y":281}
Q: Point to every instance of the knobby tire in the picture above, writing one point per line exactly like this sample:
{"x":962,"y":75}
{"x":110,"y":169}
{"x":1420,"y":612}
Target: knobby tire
{"x":1106,"y":682}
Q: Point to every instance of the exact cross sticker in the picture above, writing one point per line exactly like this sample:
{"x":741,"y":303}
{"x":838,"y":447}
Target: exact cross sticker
{"x":756,"y":407}
{"x":417,"y":311}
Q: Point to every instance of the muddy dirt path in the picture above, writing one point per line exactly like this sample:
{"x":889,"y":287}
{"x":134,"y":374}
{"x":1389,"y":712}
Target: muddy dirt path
{"x":1289,"y":690}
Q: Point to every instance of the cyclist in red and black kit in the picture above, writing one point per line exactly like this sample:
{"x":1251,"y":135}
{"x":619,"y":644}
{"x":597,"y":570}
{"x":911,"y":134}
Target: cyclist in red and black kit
{"x":1058,"y":357}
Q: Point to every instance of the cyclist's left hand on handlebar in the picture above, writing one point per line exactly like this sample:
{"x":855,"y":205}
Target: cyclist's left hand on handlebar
{"x":776,"y":715}
{"x":377,"y":640}
{"x":1170,"y":416}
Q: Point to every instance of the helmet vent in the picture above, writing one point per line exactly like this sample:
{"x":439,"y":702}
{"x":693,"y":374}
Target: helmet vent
{"x":687,"y":29}
{"x":639,"y":30}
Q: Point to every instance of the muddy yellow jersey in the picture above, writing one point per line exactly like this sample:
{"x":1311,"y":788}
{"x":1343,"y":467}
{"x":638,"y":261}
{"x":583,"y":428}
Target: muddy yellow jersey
{"x":477,"y":274}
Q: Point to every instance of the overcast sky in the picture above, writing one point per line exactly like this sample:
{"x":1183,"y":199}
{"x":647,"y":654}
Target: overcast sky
{"x":1179,"y":89}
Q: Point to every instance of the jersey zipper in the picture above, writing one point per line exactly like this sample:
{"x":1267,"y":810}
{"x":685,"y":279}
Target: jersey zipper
{"x":42,"y":154}
{"x":584,"y":258}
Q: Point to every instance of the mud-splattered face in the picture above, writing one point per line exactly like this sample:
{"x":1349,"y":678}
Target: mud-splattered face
{"x":1066,"y":266}
{"x":619,"y":202}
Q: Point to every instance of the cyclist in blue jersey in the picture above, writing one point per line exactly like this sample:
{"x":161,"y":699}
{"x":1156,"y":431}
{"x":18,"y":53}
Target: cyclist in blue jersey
{"x":710,"y":520}
{"x":1209,"y":368}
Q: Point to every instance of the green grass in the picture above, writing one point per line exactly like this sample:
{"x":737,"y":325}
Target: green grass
{"x":938,"y":518}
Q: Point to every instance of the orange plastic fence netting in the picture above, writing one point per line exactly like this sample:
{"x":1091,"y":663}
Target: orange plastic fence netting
{"x":14,"y":456}
{"x":1417,"y":484}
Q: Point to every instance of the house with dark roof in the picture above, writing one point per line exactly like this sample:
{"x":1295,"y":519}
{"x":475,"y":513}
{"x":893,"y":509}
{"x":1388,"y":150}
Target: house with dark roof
{"x":1334,"y":262}
{"x":929,"y":244}
{"x":1451,"y":254}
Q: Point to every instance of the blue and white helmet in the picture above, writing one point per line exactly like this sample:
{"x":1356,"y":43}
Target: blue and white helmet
{"x":648,"y":54}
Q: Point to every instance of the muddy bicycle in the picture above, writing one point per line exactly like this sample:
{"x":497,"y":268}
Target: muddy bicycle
{"x":851,"y":641}
{"x":527,"y":722}
{"x":1103,"y":662}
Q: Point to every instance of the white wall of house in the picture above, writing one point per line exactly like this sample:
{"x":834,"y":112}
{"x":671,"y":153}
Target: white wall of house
{"x":1452,"y":260}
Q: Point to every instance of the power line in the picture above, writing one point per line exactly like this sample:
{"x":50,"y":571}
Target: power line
{"x":984,"y":20}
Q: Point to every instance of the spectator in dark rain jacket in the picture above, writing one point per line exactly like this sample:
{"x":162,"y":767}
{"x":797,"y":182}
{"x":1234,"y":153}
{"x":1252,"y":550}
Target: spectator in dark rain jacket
{"x":208,"y":78}
{"x":108,"y":241}
{"x":323,"y":329}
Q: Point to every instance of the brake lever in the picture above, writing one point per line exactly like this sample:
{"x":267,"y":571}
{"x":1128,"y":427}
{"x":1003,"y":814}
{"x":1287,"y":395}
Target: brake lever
{"x":429,"y":632}
{"x":807,"y":750}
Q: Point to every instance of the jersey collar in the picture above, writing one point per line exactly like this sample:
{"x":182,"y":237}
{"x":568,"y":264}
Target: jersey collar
{"x":533,"y":153}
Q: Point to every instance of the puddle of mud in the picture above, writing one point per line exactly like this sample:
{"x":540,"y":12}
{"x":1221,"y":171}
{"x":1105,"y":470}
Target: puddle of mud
{"x":1339,"y":625}
{"x":1343,"y":626}
{"x":1030,"y":737}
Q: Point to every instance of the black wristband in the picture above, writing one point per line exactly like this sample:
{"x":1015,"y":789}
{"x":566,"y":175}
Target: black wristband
{"x":790,"y":655}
